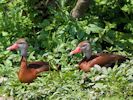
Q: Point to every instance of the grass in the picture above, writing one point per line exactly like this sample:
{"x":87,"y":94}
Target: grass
{"x":51,"y":37}
{"x":101,"y":83}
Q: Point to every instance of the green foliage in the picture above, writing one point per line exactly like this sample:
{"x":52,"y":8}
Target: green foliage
{"x":52,"y":34}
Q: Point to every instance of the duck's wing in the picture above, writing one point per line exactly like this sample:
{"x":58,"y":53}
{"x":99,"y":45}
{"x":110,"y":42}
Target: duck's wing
{"x":37,"y":64}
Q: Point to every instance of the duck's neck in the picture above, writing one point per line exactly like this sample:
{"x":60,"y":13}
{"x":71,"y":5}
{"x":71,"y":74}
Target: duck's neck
{"x":23,"y":52}
{"x":23,"y":59}
{"x":88,"y":53}
{"x":23,"y":65}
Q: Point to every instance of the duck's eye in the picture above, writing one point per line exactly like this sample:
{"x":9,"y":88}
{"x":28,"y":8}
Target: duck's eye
{"x":21,"y":43}
{"x":84,"y":45}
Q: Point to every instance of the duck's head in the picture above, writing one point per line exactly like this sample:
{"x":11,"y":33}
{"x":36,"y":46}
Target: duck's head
{"x":83,"y":47}
{"x":20,"y":44}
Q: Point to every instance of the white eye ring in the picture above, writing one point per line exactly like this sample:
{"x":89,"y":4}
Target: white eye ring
{"x":84,"y":45}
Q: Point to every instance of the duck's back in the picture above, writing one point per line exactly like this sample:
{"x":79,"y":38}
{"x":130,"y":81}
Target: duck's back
{"x":102,"y":59}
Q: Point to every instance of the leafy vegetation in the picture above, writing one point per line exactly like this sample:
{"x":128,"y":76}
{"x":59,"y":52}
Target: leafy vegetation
{"x":108,"y":24}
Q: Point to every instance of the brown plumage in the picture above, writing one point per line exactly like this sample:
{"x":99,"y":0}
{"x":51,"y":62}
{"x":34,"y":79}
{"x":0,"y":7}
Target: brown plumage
{"x":102,"y":59}
{"x":28,"y":72}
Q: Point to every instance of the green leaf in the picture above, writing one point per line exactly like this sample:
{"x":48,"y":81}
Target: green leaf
{"x":94,"y":28}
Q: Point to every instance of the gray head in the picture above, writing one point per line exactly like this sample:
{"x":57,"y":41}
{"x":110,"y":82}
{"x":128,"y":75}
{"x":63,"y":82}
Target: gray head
{"x":20,"y":44}
{"x":84,"y":47}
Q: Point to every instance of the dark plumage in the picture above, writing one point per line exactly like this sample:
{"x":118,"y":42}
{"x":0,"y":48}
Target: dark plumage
{"x":28,"y":72}
{"x":102,"y":59}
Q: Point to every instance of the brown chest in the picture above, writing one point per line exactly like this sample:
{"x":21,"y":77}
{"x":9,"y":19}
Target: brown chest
{"x":27,"y":76}
{"x":85,"y":66}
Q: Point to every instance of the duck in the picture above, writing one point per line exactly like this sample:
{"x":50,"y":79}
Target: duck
{"x":28,"y":72}
{"x":90,"y":60}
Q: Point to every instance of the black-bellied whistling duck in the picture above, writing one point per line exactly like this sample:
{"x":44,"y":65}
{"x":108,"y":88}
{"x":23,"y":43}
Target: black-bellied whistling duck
{"x":102,"y":59}
{"x":28,"y":72}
